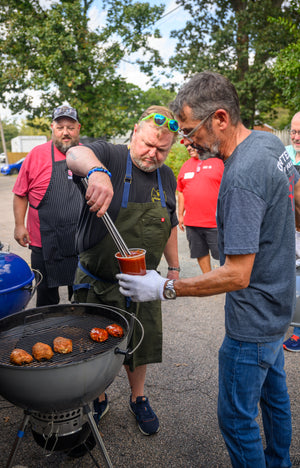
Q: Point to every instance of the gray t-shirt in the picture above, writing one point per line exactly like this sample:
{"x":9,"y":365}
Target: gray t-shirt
{"x":255,"y":214}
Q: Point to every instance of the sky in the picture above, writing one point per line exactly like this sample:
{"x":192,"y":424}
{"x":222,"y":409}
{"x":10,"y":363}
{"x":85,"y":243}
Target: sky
{"x":174,"y":17}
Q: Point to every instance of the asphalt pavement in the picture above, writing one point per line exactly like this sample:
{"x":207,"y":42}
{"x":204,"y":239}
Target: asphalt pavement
{"x":182,"y":389}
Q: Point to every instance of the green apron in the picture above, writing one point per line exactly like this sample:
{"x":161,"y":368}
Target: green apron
{"x":142,"y":225}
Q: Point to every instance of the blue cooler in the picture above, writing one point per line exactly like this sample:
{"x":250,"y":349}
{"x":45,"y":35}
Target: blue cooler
{"x":15,"y":284}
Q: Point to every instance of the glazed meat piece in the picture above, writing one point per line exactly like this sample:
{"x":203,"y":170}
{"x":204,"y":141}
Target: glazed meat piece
{"x":115,"y":330}
{"x":42,"y":351}
{"x":62,"y":345}
{"x":98,"y":334}
{"x":19,"y":357}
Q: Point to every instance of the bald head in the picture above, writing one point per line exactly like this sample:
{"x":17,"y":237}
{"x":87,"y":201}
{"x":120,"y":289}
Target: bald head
{"x":295,"y":119}
{"x":295,"y":134}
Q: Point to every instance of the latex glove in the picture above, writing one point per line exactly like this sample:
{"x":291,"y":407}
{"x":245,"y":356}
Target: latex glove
{"x":148,"y":287}
{"x":298,"y":244}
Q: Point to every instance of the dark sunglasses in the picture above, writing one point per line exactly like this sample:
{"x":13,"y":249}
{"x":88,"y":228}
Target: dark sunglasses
{"x":160,"y":120}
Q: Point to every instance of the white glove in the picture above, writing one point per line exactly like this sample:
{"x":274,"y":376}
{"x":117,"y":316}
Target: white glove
{"x":297,"y":244}
{"x":148,"y":287}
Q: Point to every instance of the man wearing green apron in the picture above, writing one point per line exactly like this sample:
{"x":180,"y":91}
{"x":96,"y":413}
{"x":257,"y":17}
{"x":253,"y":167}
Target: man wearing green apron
{"x":138,"y":191}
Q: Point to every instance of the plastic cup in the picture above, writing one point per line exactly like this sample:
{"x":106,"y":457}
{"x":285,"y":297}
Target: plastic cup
{"x":135,"y":264}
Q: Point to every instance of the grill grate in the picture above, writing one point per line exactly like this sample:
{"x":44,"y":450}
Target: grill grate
{"x":45,"y":330}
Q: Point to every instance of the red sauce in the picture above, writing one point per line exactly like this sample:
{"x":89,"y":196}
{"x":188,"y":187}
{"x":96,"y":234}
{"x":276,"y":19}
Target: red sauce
{"x":135,"y":264}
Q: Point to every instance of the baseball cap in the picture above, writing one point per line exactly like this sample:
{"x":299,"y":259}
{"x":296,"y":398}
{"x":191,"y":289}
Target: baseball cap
{"x":65,"y":111}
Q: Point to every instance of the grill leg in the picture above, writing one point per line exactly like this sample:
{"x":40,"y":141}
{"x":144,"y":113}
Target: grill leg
{"x":97,"y":435}
{"x":18,"y":440}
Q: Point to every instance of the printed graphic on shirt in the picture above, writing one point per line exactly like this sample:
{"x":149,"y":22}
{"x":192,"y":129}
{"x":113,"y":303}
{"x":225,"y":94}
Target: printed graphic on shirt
{"x":284,"y":162}
{"x":155,"y":197}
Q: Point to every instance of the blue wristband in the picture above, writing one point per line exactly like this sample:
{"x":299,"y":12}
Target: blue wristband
{"x":98,"y":169}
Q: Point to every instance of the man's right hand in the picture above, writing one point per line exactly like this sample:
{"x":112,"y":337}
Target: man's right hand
{"x":99,"y":193}
{"x":22,"y":236}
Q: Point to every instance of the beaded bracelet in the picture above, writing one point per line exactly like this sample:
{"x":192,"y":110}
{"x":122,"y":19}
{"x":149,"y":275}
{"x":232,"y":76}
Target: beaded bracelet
{"x":174,"y":268}
{"x":98,"y":169}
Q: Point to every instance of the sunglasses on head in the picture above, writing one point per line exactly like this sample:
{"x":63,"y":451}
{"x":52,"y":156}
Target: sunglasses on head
{"x":160,"y":120}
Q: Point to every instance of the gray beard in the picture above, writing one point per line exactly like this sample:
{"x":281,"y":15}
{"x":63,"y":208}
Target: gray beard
{"x":208,"y":153}
{"x":144,"y":168}
{"x":64,"y":148}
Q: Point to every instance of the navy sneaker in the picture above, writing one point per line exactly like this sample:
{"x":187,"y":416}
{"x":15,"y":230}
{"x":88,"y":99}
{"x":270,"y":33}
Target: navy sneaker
{"x":292,"y":344}
{"x":145,"y":416}
{"x":100,"y":409}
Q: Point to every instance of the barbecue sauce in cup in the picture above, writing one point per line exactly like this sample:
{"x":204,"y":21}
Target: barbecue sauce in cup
{"x":134,"y":264}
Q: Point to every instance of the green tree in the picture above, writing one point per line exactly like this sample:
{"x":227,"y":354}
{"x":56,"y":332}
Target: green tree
{"x":55,"y":52}
{"x":33,"y":127}
{"x":158,"y":96}
{"x":176,"y":157}
{"x":235,"y":38}
{"x":287,"y":65}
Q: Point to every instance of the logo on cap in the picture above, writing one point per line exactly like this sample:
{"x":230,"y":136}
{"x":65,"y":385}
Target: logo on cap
{"x":65,"y":111}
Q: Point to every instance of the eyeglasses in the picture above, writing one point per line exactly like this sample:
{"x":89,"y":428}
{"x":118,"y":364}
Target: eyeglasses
{"x":65,"y":111}
{"x":188,"y":136}
{"x":295,"y":132}
{"x":160,"y":120}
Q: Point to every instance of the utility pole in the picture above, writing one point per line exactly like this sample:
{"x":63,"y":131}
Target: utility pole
{"x":3,"y":139}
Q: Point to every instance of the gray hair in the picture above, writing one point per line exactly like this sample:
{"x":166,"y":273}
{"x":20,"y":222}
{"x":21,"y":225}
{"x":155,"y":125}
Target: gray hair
{"x":205,"y":93}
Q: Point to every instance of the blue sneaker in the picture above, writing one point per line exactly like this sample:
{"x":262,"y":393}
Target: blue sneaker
{"x":146,"y":418}
{"x":292,"y":344}
{"x":100,"y":409}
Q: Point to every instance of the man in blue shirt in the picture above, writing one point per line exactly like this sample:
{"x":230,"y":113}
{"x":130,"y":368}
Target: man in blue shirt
{"x":256,"y":226}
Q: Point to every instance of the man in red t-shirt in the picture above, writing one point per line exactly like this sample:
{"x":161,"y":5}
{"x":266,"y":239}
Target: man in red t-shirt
{"x":198,"y":186}
{"x":45,"y":188}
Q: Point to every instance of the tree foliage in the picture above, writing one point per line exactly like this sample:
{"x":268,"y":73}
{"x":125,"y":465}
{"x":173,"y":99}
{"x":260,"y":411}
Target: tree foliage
{"x":55,"y":52}
{"x":287,"y":65}
{"x":235,"y":38}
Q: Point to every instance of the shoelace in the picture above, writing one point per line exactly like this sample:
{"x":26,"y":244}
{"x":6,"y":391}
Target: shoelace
{"x":295,"y":338}
{"x":142,"y":407}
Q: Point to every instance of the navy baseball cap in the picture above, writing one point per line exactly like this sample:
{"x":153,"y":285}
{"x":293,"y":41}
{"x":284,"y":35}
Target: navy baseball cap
{"x":65,"y":111}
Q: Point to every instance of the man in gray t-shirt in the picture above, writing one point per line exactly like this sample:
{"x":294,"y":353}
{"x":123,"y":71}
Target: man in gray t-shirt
{"x":255,"y":215}
{"x":256,"y":226}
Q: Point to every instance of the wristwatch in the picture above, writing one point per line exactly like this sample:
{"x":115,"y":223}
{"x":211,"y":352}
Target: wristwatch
{"x":169,"y":291}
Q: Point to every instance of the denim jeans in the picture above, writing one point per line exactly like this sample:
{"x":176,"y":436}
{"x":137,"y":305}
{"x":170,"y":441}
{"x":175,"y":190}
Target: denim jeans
{"x":252,"y":373}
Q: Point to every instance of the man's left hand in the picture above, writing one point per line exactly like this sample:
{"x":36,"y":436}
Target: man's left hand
{"x":149,"y":287}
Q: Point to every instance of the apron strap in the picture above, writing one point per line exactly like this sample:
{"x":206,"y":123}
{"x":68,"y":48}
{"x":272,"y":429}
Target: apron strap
{"x":161,"y":191}
{"x":128,"y":179}
{"x":52,"y":152}
{"x":88,"y":286}
{"x":93,"y":276}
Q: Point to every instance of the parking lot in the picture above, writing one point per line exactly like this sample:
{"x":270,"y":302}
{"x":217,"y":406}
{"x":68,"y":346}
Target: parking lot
{"x":182,"y":389}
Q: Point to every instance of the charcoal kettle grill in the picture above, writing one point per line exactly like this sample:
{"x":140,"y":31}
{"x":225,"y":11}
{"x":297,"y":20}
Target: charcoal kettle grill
{"x":57,"y":395}
{"x":16,"y":283}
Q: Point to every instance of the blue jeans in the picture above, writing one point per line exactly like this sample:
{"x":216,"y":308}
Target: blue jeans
{"x":252,"y":373}
{"x":296,"y":331}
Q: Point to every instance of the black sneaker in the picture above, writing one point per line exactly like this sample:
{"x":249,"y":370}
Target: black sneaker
{"x":146,"y":418}
{"x":100,"y":409}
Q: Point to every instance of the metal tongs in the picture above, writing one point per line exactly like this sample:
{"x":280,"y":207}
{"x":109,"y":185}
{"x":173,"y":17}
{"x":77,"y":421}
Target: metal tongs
{"x":116,"y":236}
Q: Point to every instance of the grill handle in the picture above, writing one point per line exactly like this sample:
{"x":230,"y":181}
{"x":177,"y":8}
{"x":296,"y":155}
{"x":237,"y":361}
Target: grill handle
{"x":128,"y":353}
